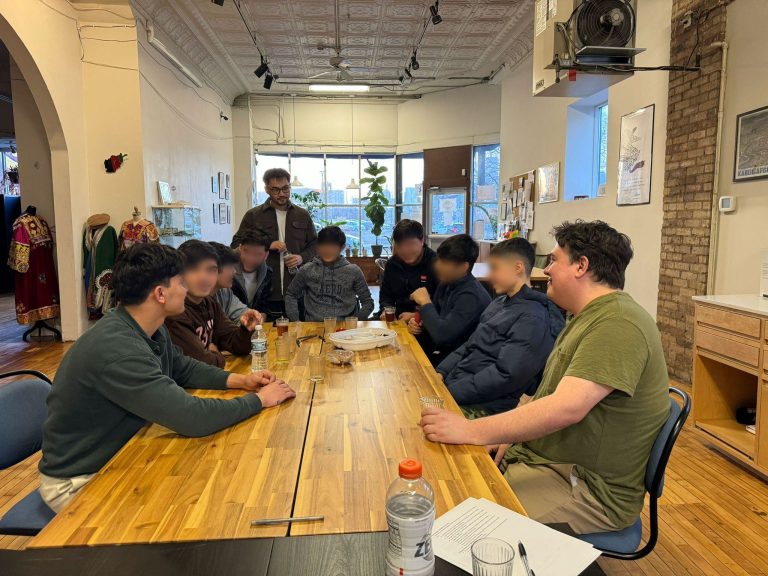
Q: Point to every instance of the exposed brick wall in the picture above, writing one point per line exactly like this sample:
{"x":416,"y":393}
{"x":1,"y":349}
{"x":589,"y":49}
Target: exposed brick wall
{"x":688,"y":181}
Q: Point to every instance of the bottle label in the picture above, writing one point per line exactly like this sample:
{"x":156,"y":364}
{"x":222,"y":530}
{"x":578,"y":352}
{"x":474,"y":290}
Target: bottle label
{"x":410,"y":546}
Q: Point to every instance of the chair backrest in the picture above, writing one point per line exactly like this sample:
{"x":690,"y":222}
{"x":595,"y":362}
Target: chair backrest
{"x":23,"y":411}
{"x":662,"y":447}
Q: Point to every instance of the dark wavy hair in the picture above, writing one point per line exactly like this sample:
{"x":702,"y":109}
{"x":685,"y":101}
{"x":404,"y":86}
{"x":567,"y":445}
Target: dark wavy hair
{"x":607,"y":250}
{"x":141,"y":268}
{"x":227,"y":256}
{"x":459,"y":249}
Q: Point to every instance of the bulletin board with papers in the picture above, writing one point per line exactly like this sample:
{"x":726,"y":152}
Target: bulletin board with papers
{"x":516,"y":207}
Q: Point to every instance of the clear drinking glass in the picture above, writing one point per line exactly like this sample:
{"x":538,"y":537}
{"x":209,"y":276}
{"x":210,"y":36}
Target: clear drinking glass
{"x":281,"y":325}
{"x":329,"y":324}
{"x":350,"y":322}
{"x":431,"y":402}
{"x":283,"y":349}
{"x":389,"y":313}
{"x":316,"y":367}
{"x":492,"y":557}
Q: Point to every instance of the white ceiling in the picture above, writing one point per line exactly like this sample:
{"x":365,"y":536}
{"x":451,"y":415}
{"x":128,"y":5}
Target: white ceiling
{"x":474,"y":40}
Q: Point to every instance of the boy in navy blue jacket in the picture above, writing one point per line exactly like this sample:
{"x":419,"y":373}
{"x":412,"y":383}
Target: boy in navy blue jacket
{"x":447,"y":319}
{"x":504,"y":357}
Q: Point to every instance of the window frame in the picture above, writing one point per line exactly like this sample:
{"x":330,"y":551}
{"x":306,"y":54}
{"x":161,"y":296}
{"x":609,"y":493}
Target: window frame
{"x":399,"y":191}
{"x":490,"y":204}
{"x":598,"y":130}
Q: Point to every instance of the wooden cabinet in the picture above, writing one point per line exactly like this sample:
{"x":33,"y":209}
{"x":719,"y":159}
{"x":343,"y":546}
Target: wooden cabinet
{"x":730,"y":371}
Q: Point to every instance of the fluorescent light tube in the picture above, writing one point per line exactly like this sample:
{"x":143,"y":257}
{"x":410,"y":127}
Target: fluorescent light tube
{"x":339,"y":88}
{"x":160,"y":47}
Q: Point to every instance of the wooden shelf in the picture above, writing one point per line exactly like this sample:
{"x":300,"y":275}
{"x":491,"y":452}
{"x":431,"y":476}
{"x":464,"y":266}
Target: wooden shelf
{"x":730,"y":432}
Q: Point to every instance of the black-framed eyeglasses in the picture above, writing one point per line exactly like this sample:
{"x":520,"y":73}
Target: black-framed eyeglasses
{"x":283,"y":190}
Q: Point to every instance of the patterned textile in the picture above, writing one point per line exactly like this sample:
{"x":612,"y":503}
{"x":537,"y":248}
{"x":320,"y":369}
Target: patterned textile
{"x":99,"y":254}
{"x":31,"y":257}
{"x":139,"y":232}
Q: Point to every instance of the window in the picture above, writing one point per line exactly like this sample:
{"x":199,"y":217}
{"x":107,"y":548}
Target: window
{"x":410,"y":187}
{"x":586,"y":147}
{"x":601,"y":145}
{"x":324,"y":191}
{"x":484,"y":202}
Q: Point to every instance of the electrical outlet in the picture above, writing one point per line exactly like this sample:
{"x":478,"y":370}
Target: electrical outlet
{"x":687,"y":20}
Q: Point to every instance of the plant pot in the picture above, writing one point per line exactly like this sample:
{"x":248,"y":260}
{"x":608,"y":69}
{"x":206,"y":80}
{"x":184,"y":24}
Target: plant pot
{"x":348,"y":252}
{"x":376,"y":250}
{"x":354,"y":252}
{"x":13,"y":177}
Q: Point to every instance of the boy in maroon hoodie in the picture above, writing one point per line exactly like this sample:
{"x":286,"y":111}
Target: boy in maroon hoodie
{"x":204,"y":331}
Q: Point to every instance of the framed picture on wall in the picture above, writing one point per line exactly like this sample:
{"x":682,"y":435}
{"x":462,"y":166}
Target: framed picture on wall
{"x":548,"y":182}
{"x":222,"y":184}
{"x":751,"y":155}
{"x":215,"y":213}
{"x":226,"y":194}
{"x":229,"y":214}
{"x":226,"y":178}
{"x":222,"y":213}
{"x":215,"y":185}
{"x":636,"y":157}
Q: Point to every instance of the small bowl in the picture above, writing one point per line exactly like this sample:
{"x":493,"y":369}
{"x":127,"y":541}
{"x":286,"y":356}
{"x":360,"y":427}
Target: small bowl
{"x":340,"y":357}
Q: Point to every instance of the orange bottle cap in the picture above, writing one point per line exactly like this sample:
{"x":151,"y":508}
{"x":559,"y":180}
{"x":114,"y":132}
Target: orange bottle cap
{"x":410,"y":469}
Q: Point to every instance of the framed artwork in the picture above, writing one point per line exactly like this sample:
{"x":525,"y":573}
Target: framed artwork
{"x":548,"y":183}
{"x":229,"y":214}
{"x":226,"y":194}
{"x":164,"y":191}
{"x":226,"y":178}
{"x":222,"y":193}
{"x":222,"y":183}
{"x":215,"y":213}
{"x":215,"y":185}
{"x":222,"y":213}
{"x":751,"y":154}
{"x":636,"y":157}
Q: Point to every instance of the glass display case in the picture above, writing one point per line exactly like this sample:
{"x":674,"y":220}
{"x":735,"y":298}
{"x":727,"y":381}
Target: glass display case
{"x":177,"y":224}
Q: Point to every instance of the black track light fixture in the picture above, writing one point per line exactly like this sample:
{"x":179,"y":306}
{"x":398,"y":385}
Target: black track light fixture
{"x":408,"y":73}
{"x":218,"y":2}
{"x":268,"y":79}
{"x":436,"y":18}
{"x":414,"y":62}
{"x":263,"y":67}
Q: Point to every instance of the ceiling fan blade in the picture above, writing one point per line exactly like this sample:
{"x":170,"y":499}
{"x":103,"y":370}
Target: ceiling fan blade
{"x":344,"y":74}
{"x":320,"y":75}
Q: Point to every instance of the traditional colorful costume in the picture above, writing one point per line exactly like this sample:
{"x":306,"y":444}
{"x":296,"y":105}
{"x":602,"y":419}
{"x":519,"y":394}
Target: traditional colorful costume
{"x":137,"y":232}
{"x":99,"y":253}
{"x":31,"y":257}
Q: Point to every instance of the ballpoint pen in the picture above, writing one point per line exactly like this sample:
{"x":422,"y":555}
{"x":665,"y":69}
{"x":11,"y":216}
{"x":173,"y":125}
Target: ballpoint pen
{"x":524,"y":558}
{"x":268,"y":521}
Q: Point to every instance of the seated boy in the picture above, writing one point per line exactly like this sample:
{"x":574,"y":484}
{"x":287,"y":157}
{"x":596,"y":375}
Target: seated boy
{"x":504,"y":356}
{"x":253,"y":277}
{"x":449,"y":318}
{"x":231,"y":305}
{"x":202,"y":330}
{"x":329,"y":285}
{"x":410,"y":267}
{"x":125,"y":372}
{"x":581,"y":446}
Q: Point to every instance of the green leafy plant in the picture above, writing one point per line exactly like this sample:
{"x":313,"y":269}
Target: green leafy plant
{"x":375,"y":210}
{"x":492,"y":220}
{"x":313,"y":203}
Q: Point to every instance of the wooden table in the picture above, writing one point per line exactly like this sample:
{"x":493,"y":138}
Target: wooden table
{"x":482,"y":270}
{"x":333,"y":451}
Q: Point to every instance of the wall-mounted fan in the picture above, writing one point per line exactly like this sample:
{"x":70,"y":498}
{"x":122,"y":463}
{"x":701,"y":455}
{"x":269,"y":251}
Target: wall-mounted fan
{"x":604,"y":23}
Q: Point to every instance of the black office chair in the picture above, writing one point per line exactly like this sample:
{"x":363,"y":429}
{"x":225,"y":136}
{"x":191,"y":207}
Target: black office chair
{"x":623,"y":544}
{"x":23,"y":411}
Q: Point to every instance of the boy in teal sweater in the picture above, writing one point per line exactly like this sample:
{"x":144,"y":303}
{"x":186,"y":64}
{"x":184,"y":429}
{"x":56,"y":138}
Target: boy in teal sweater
{"x":125,"y":372}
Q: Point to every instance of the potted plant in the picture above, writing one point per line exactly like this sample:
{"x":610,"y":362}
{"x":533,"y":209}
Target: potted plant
{"x":313,"y":203}
{"x":377,"y":201}
{"x":354,"y":248}
{"x":13,"y":175}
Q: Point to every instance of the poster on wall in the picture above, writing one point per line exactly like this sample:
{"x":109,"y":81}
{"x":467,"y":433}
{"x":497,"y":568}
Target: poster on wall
{"x":222,"y":213}
{"x":636,"y":157}
{"x":751,"y":162}
{"x":548,"y":183}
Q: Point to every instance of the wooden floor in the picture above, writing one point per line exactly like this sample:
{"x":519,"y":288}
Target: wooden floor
{"x":713,"y":516}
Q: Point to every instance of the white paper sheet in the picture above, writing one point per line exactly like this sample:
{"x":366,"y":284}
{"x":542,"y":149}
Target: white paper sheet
{"x":550,"y":553}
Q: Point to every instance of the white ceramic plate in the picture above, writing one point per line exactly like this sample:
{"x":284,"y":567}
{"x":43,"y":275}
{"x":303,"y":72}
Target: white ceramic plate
{"x":363,"y":338}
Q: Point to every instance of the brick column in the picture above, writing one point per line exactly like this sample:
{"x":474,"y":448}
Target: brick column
{"x":688,"y":181}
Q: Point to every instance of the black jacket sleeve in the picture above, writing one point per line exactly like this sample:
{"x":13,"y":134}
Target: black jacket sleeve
{"x":263,"y":294}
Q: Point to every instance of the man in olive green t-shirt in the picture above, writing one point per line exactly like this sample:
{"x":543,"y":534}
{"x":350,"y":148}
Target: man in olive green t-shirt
{"x":581,"y":445}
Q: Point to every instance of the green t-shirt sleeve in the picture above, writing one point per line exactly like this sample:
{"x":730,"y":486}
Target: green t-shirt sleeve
{"x":613,"y":353}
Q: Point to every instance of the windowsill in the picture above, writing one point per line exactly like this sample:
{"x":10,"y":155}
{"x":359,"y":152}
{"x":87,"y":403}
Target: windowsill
{"x":585,"y":199}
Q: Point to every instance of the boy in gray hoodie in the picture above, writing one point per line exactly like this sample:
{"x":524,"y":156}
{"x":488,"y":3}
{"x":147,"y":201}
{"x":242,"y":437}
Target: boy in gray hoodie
{"x":329,"y":284}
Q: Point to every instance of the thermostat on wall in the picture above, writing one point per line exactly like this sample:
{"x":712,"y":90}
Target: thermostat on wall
{"x":727,"y":204}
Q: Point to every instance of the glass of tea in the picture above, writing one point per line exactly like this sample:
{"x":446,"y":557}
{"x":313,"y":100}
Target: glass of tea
{"x":389,"y":313}
{"x":281,"y":324}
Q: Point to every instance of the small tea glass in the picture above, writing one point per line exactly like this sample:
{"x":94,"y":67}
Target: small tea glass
{"x":390,"y":313}
{"x":329,"y":324}
{"x":281,"y":325}
{"x":283,"y":349}
{"x":492,"y":557}
{"x":350,"y":322}
{"x":316,"y":367}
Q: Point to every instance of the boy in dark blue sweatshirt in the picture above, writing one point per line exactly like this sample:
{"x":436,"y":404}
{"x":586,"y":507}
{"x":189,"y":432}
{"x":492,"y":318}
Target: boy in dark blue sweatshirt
{"x":447,"y":320}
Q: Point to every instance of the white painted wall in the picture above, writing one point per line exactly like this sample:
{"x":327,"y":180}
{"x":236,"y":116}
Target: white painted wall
{"x":533,"y":133}
{"x":184,"y":140}
{"x":743,"y":234}
{"x":36,"y":182}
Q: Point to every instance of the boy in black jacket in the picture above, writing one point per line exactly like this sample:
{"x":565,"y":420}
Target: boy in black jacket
{"x":411,"y":267}
{"x":448,"y":318}
{"x":504,"y":357}
{"x":253,"y":277}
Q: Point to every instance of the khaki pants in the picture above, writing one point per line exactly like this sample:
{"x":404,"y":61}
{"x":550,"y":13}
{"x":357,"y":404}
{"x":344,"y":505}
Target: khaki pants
{"x":57,"y":492}
{"x":554,"y":494}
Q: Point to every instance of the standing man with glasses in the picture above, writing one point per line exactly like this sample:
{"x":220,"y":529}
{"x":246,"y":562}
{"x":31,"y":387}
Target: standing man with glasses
{"x":290,"y":230}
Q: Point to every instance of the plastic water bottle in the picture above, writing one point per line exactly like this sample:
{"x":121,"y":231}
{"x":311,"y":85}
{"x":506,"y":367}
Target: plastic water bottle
{"x":259,"y":350}
{"x":285,"y":255}
{"x":410,"y":515}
